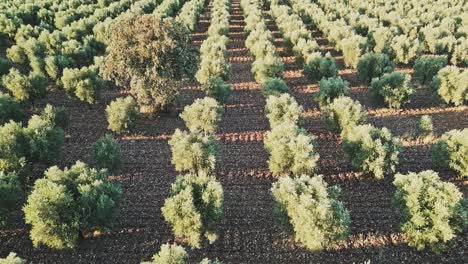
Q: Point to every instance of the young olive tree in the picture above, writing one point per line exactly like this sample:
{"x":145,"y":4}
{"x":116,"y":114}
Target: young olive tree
{"x":372,"y":150}
{"x":433,"y":211}
{"x":450,"y":151}
{"x":320,"y":67}
{"x":282,"y":109}
{"x":194,"y":208}
{"x":107,"y":153}
{"x":311,"y":208}
{"x":275,"y":87}
{"x":343,"y":114}
{"x":425,"y":68}
{"x":10,"y":109}
{"x":330,"y":89}
{"x":203,"y":115}
{"x":152,"y":55}
{"x":193,"y":151}
{"x":392,"y":89}
{"x":451,"y":85}
{"x":218,"y":89}
{"x":122,"y":114}
{"x":68,"y":203}
{"x":25,"y":88}
{"x":169,"y":254}
{"x":291,"y":149}
{"x":373,"y":65}
{"x":10,"y":194}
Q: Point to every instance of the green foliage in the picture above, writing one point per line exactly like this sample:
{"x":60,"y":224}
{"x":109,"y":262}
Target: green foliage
{"x":218,"y":89}
{"x":45,"y":140}
{"x":12,"y":258}
{"x":429,"y":208}
{"x":25,"y":88}
{"x":312,"y":209}
{"x":156,"y":64}
{"x":194,"y":208}
{"x":208,"y":261}
{"x":10,"y":194}
{"x":343,"y":114}
{"x":14,"y":147}
{"x":66,"y":203}
{"x":193,"y":152}
{"x":266,"y":67}
{"x":451,"y":151}
{"x":330,"y":89}
{"x":213,"y":52}
{"x":54,"y":65}
{"x":291,"y":149}
{"x":169,"y":254}
{"x":83,"y":83}
{"x":404,"y":48}
{"x":56,"y":115}
{"x":352,"y":50}
{"x":275,"y":86}
{"x":203,"y":115}
{"x":282,"y":109}
{"x":320,"y":67}
{"x":5,"y":66}
{"x":122,"y":114}
{"x":392,"y":89}
{"x":10,"y":109}
{"x":425,"y":68}
{"x":372,"y":150}
{"x":107,"y":154}
{"x":373,"y":65}
{"x":451,"y":85}
{"x":425,"y":126}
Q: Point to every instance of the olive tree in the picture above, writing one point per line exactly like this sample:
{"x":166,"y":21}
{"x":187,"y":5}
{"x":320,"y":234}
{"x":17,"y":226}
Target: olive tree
{"x":152,"y":55}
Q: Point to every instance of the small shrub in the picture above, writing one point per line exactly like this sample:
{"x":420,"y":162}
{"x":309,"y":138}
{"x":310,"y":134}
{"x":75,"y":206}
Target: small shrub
{"x":343,"y":114}
{"x":269,"y":66}
{"x":282,"y":109}
{"x":312,"y":209}
{"x":274,"y":87}
{"x":320,"y":67}
{"x":330,"y":89}
{"x":14,"y":147}
{"x":56,"y":115}
{"x":194,"y":208}
{"x":25,"y":88}
{"x":425,"y":126}
{"x":404,"y":49}
{"x":10,"y":194}
{"x":352,"y":50}
{"x":156,"y":64}
{"x":372,"y":150}
{"x":451,"y":85}
{"x":218,"y":89}
{"x":425,"y":68}
{"x":12,"y":258}
{"x":122,"y":114}
{"x":429,"y":208}
{"x":169,"y":254}
{"x":203,"y":115}
{"x":451,"y":150}
{"x":10,"y":109}
{"x":68,"y":202}
{"x":84,"y":83}
{"x":54,"y":65}
{"x":45,"y":140}
{"x":107,"y":153}
{"x":373,"y":65}
{"x":292,"y":150}
{"x":392,"y":89}
{"x":193,"y":152}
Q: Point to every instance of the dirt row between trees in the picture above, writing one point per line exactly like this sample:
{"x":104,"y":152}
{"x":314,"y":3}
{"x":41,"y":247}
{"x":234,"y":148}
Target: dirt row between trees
{"x":249,"y":232}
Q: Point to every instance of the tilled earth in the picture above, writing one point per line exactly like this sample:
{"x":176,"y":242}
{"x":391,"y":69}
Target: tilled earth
{"x":249,"y":233}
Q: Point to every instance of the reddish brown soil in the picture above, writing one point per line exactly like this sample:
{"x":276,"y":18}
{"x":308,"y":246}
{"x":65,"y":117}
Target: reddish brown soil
{"x":249,"y":233}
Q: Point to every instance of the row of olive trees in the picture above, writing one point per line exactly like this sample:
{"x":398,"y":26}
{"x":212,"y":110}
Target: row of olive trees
{"x":213,"y":70}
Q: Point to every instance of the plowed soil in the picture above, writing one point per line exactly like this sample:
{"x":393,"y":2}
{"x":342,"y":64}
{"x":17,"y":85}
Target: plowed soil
{"x":249,"y":232}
